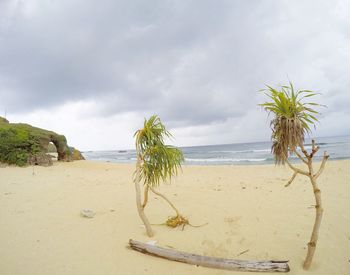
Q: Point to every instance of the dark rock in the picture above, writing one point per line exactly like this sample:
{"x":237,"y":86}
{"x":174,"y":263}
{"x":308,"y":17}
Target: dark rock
{"x":41,"y":159}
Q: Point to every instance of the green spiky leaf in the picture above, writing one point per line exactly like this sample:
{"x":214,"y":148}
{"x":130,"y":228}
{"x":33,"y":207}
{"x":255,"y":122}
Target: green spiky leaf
{"x":159,"y":162}
{"x":292,"y":118}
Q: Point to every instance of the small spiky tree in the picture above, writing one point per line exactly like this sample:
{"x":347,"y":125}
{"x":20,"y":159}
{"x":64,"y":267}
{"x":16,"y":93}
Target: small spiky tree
{"x":156,"y":162}
{"x":292,"y":120}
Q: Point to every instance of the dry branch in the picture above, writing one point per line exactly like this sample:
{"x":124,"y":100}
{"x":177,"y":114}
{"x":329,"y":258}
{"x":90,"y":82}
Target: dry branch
{"x":300,"y":156}
{"x":290,"y":181}
{"x":304,"y":150}
{"x":314,"y":149}
{"x":297,"y":170}
{"x":324,"y":160}
{"x":213,"y":262}
{"x":166,"y":199}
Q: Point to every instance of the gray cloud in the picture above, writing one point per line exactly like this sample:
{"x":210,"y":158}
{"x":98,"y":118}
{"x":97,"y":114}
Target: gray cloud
{"x":192,"y":62}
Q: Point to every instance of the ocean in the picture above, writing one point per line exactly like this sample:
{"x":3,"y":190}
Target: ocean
{"x":233,"y":154}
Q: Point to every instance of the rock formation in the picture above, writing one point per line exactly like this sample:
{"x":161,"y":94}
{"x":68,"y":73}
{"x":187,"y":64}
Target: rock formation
{"x":76,"y":154}
{"x":23,"y":144}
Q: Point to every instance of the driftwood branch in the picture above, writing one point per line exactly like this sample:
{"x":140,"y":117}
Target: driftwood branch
{"x":320,"y":170}
{"x":230,"y":264}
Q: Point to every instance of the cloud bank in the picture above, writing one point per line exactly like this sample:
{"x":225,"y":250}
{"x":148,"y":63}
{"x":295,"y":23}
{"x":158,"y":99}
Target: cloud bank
{"x":198,"y":65}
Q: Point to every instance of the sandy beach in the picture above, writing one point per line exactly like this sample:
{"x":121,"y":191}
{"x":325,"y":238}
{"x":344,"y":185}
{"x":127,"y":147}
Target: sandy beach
{"x":250,"y":215}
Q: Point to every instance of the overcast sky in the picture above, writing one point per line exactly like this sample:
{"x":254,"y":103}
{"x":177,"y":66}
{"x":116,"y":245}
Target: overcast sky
{"x":92,"y":70}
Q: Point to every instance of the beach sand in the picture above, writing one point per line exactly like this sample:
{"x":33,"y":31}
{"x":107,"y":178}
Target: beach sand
{"x":247,"y":209}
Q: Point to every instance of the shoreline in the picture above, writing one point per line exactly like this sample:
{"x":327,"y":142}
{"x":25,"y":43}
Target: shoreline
{"x":255,"y":153}
{"x":247,"y":207}
{"x":297,"y":162}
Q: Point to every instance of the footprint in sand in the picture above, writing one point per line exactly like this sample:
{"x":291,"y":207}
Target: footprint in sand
{"x":232,"y":221}
{"x":216,"y":250}
{"x":234,"y":225}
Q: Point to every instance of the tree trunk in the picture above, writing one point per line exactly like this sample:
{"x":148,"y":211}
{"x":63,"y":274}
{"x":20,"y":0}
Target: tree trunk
{"x":145,"y":196}
{"x":138,"y":199}
{"x":213,"y":262}
{"x":314,"y":236}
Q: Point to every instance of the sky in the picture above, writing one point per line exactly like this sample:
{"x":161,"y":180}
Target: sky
{"x":93,"y":70}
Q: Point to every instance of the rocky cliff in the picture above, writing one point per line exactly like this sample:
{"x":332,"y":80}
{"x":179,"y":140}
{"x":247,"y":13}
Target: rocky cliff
{"x":22,"y":144}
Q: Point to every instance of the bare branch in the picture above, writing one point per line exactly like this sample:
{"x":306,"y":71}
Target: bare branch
{"x":297,"y":170}
{"x":300,"y":156}
{"x":324,"y":160}
{"x":290,"y":181}
{"x":313,"y":144}
{"x":304,"y":150}
{"x":314,"y":150}
{"x":166,"y":199}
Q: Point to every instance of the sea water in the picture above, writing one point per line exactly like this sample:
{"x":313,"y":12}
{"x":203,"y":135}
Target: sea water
{"x":233,"y":154}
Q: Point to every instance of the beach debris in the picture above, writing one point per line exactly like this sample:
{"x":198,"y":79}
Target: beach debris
{"x":87,"y":213}
{"x":179,"y":220}
{"x":176,"y":221}
{"x":213,"y":262}
{"x":245,"y":251}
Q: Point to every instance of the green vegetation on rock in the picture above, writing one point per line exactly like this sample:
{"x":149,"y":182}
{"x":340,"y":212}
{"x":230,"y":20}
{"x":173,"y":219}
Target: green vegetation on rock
{"x":22,"y":144}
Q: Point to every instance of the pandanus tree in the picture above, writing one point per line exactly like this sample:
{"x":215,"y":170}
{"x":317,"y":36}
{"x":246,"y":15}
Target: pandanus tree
{"x":156,"y":163}
{"x":293,"y":118}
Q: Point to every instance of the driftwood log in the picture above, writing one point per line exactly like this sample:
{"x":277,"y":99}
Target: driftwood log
{"x":222,"y":263}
